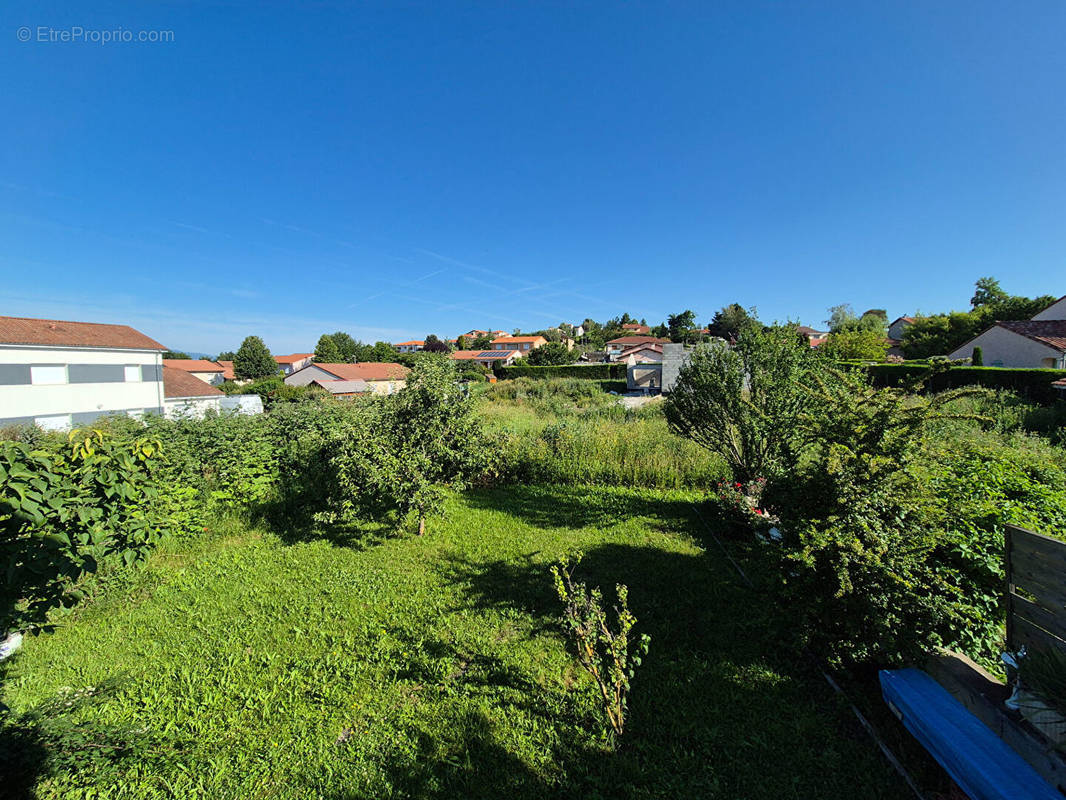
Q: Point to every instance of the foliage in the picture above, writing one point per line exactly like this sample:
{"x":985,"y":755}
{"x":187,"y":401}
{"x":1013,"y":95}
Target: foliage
{"x":858,"y":344}
{"x":616,"y":371}
{"x":175,"y":354}
{"x":988,"y":292}
{"x":346,"y":346}
{"x":226,"y":355}
{"x":63,"y":512}
{"x":327,"y":352}
{"x":253,"y":360}
{"x":434,"y":345}
{"x":460,"y":342}
{"x":743,"y":402}
{"x":978,"y":357}
{"x":550,"y":354}
{"x":602,"y":652}
{"x":682,"y":327}
{"x":483,"y":342}
{"x":730,"y":320}
{"x":842,"y":319}
{"x":1034,"y":384}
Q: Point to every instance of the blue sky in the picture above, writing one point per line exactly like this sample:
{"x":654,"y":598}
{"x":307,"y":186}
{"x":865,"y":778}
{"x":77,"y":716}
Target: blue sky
{"x":394,"y":169}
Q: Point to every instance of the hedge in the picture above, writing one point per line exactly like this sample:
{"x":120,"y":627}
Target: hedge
{"x":1034,"y":384}
{"x":600,"y":372}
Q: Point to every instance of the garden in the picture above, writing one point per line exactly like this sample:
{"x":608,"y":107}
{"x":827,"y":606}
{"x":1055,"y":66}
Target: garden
{"x":358,"y":599}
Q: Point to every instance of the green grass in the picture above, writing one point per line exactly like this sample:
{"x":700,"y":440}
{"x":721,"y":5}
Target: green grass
{"x":245,"y":665}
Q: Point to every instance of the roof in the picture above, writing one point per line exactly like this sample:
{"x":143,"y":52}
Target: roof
{"x":637,"y":327}
{"x":509,"y":339}
{"x":808,"y":331}
{"x":910,"y":320}
{"x":1051,"y":332}
{"x":293,"y":358}
{"x":179,"y":383}
{"x":343,"y":387}
{"x":365,"y":371}
{"x":418,"y":342}
{"x":227,"y":370}
{"x":655,"y":347}
{"x":60,"y":333}
{"x":485,"y":355}
{"x":637,"y":340}
{"x":193,"y":364}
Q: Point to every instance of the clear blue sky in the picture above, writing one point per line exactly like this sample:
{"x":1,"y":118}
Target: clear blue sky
{"x":393,"y":169}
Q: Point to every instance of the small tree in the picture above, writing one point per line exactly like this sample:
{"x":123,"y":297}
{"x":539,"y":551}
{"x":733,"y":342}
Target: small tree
{"x":553,"y":353}
{"x":730,"y":320}
{"x":327,"y":352}
{"x":460,"y":343}
{"x":253,"y":360}
{"x":856,"y":344}
{"x":482,"y":342}
{"x":434,"y":345}
{"x":175,"y":354}
{"x":682,"y":326}
{"x":226,"y":355}
{"x":743,"y":402}
{"x":978,"y":359}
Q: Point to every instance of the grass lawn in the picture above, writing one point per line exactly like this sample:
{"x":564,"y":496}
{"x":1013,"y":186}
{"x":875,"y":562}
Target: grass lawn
{"x":245,"y":665}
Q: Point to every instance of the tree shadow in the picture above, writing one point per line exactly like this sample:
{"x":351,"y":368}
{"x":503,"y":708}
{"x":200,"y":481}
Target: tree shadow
{"x":295,"y":523}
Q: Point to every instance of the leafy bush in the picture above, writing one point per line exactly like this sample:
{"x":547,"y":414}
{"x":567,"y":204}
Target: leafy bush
{"x":63,"y":512}
{"x":1034,"y":384}
{"x":615,"y":371}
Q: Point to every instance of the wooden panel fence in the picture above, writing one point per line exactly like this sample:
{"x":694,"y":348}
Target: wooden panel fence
{"x":1036,"y":590}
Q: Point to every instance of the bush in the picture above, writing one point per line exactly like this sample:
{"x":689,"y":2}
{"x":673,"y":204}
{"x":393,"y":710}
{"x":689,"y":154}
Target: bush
{"x":615,"y":371}
{"x":1034,"y":384}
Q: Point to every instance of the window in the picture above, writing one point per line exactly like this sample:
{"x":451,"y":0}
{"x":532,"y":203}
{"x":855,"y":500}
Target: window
{"x":133,"y":373}
{"x":48,"y":373}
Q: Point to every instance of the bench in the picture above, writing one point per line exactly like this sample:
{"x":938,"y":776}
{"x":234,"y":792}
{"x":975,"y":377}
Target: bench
{"x":981,"y":763}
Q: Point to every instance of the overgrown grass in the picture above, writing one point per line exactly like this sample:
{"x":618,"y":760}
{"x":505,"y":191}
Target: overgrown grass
{"x":244,"y":665}
{"x":571,"y":431}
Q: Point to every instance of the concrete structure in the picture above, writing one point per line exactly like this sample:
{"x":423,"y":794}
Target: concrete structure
{"x":615,"y":347}
{"x":187,"y":396}
{"x":209,"y":372}
{"x":523,"y":344}
{"x":289,"y":364}
{"x":243,"y":403}
{"x":675,"y":356}
{"x":487,"y":358}
{"x":412,"y":346}
{"x":382,"y":377}
{"x":59,"y":374}
{"x":644,"y":376}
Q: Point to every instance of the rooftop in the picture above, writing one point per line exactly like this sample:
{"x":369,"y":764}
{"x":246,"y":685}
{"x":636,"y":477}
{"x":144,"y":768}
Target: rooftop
{"x":365,"y":371}
{"x":194,"y":364}
{"x":488,"y":355}
{"x":293,"y":358}
{"x":637,"y":340}
{"x":1051,"y":332}
{"x":61,"y":333}
{"x":179,"y":383}
{"x":343,"y":387}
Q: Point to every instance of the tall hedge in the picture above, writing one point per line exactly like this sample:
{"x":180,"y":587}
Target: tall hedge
{"x":600,"y":372}
{"x":1034,"y":384}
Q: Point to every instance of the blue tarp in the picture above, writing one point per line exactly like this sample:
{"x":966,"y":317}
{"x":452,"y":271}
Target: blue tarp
{"x":982,"y":764}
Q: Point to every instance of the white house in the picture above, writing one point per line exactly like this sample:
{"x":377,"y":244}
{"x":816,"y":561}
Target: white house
{"x":209,"y":372}
{"x":60,"y":374}
{"x":289,"y":364}
{"x":412,"y":346}
{"x":1039,"y":342}
{"x":381,"y":377}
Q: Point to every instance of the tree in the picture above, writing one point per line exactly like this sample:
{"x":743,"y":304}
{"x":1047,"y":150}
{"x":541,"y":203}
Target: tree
{"x":175,"y":354}
{"x":253,"y":360}
{"x":346,"y":345}
{"x":730,"y":320}
{"x":326,"y":351}
{"x":743,"y":402}
{"x":553,"y":353}
{"x":226,"y":355}
{"x":978,"y":358}
{"x":857,"y":344}
{"x":460,"y":343}
{"x":987,"y":292}
{"x":435,"y":345}
{"x":682,"y":326}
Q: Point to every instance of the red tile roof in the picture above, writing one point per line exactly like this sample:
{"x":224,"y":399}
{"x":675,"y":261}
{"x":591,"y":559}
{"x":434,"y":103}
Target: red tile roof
{"x":637,"y":340}
{"x":487,"y":355}
{"x":1051,"y":332}
{"x":418,"y":342}
{"x":59,"y":333}
{"x":293,"y":358}
{"x":227,"y":370}
{"x":179,"y":383}
{"x":193,"y":364}
{"x":636,"y":327}
{"x":366,"y":371}
{"x":655,"y":347}
{"x":510,"y":339}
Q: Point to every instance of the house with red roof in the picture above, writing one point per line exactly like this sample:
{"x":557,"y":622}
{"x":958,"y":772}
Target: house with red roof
{"x":210,"y":372}
{"x":186,"y":395}
{"x":59,"y":374}
{"x":289,"y":364}
{"x":487,"y":358}
{"x":381,"y":377}
{"x":636,"y":328}
{"x":1039,"y":342}
{"x":616,"y":347}
{"x":523,"y":344}
{"x":897,"y":326}
{"x":412,"y":346}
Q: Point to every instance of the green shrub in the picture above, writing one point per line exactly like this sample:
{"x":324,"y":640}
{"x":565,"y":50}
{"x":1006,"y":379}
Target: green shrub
{"x":615,"y":371}
{"x":1034,"y":384}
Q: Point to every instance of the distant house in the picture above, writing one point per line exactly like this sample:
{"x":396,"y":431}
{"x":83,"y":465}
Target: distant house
{"x":412,"y":346}
{"x":487,"y":358}
{"x":647,"y":353}
{"x":1039,"y":342}
{"x":344,"y":389}
{"x":187,"y":396}
{"x":227,"y":370}
{"x":815,"y":338}
{"x":637,"y":328}
{"x":382,"y":377}
{"x":209,"y":372}
{"x":477,"y":333}
{"x":615,"y":347}
{"x":58,"y":374}
{"x":521,"y":343}
{"x":897,"y":326}
{"x":289,"y":364}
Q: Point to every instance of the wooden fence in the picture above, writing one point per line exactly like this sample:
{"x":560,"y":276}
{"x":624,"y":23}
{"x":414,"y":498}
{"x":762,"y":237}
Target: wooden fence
{"x":1036,"y":590}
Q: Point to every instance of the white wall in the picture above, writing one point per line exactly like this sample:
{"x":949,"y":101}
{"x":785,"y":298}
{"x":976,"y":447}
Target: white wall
{"x":1055,"y":311}
{"x":311,"y":373}
{"x":191,"y":407}
{"x":1003,"y":348}
{"x":23,"y":402}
